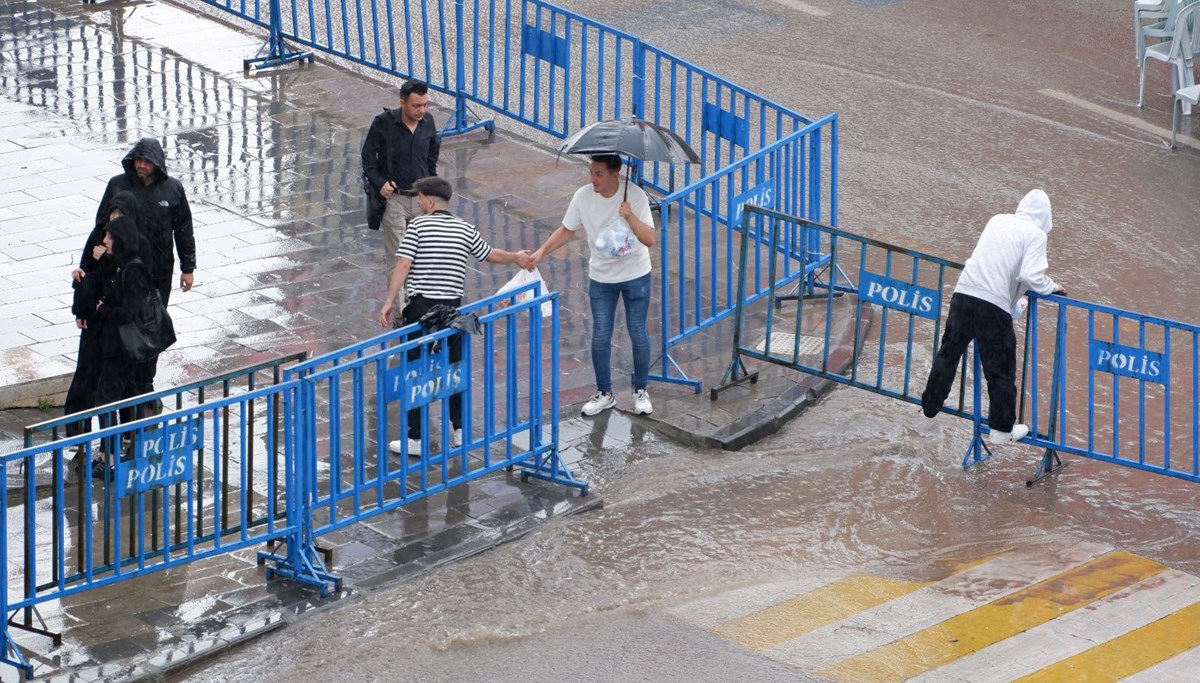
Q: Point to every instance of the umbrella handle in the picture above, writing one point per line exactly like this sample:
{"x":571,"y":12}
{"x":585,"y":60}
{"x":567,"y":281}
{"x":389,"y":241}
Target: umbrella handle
{"x":625,"y":198}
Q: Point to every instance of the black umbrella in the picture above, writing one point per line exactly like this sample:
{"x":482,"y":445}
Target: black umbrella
{"x":633,"y":138}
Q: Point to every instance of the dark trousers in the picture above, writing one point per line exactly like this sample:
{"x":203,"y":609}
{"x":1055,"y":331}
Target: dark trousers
{"x":417,"y":307}
{"x":114,"y":383}
{"x":81,"y":395}
{"x":991,"y":328}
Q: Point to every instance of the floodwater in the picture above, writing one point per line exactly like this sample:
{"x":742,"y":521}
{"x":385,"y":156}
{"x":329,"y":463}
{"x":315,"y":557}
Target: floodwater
{"x":858,"y":483}
{"x":949,"y":113}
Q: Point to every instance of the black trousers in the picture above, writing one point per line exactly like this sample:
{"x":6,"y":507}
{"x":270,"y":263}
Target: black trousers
{"x":418,"y":306}
{"x":81,"y":395}
{"x":991,"y":328}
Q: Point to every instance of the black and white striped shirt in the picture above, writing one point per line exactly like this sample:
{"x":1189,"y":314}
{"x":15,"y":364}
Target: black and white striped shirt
{"x":438,"y":245}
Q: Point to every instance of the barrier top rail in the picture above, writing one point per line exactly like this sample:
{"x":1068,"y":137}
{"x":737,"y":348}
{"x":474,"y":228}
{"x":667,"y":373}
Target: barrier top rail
{"x":360,"y":349}
{"x":178,"y":391}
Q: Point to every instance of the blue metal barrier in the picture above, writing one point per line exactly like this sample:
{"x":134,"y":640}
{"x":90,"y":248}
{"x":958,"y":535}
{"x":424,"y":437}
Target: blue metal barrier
{"x":354,"y":401}
{"x":905,"y":286}
{"x":697,"y":273}
{"x":1124,"y":387}
{"x":1095,"y":381}
{"x":171,"y":499}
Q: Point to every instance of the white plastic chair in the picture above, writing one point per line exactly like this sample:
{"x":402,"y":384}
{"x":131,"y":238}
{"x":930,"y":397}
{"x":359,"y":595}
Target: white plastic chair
{"x":1183,"y":96}
{"x":1155,"y":11}
{"x":1177,"y":54}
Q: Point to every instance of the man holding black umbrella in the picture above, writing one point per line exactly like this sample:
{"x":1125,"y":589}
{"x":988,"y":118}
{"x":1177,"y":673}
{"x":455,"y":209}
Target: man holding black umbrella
{"x":619,"y":227}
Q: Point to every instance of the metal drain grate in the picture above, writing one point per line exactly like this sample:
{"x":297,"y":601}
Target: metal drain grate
{"x":783,"y":343}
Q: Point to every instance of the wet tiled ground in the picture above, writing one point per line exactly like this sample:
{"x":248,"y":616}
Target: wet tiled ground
{"x":285,"y":263}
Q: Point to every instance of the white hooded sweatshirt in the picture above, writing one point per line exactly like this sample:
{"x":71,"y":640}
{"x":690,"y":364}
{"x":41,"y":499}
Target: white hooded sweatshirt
{"x":1010,"y":256}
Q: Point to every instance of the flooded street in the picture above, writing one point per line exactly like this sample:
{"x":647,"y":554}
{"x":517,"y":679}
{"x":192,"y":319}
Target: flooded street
{"x":882,"y":493}
{"x":937,"y":134}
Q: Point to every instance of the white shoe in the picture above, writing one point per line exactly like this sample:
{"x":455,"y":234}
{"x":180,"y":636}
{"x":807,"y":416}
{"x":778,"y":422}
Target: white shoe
{"x":455,"y":438}
{"x":641,"y":403}
{"x":1019,"y":431}
{"x":414,"y":447}
{"x":598,"y":403}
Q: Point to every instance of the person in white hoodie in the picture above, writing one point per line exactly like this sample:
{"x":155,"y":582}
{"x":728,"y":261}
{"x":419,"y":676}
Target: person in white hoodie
{"x":1008,"y":260}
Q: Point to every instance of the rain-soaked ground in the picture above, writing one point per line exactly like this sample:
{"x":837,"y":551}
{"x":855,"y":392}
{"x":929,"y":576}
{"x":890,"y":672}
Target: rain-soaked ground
{"x":949,"y":112}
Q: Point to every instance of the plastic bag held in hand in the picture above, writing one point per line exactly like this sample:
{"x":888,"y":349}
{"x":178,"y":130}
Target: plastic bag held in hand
{"x":524,"y":277}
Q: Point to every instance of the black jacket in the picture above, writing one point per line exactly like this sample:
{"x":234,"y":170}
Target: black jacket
{"x":118,"y":285}
{"x":164,"y":215}
{"x":392,"y":152}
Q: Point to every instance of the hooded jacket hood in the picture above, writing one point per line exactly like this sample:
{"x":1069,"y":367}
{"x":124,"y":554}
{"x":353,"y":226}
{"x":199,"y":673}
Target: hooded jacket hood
{"x":126,"y":239}
{"x":128,"y":204}
{"x":1035,"y":208}
{"x":150,"y":150}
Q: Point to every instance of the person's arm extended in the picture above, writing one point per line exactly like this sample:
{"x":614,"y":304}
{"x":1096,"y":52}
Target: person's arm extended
{"x":521,"y":258}
{"x":399,"y":275}
{"x":556,"y":239}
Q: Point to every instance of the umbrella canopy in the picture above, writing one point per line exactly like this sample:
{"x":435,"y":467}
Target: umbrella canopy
{"x":631,"y":137}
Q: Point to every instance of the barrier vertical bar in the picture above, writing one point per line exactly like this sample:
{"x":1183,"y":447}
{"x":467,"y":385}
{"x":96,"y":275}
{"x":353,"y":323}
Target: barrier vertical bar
{"x":457,"y":124}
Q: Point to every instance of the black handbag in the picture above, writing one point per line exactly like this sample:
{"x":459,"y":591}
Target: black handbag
{"x":149,"y":332}
{"x":375,"y":204}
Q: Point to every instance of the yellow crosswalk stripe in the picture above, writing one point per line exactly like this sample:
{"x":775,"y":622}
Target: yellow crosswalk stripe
{"x":1126,"y":655}
{"x":801,"y":614}
{"x":995,"y":621}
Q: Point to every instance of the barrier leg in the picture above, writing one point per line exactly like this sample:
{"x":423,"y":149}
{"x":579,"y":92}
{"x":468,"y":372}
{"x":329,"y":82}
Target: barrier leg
{"x":275,"y":51}
{"x":974,"y":454}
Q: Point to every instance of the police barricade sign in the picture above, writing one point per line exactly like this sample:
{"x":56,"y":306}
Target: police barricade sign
{"x":902,"y":296}
{"x":161,"y":456}
{"x":1129,"y":361}
{"x":422,"y":386}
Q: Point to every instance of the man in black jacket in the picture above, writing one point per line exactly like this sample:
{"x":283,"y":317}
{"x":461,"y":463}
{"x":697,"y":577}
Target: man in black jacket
{"x":401,"y":146}
{"x":165,"y":220}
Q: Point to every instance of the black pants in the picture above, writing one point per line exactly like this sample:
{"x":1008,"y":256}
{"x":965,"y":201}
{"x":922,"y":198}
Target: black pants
{"x":81,"y":395}
{"x":991,"y":328}
{"x":418,"y":306}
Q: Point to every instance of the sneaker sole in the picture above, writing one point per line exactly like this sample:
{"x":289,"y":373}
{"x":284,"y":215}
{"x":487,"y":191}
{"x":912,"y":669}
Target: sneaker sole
{"x":643,"y":412}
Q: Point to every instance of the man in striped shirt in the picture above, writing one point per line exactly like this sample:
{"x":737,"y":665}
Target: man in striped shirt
{"x":431,"y":266}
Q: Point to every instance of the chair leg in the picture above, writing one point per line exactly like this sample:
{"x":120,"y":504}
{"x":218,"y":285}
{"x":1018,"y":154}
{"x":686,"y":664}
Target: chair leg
{"x":1176,"y":105}
{"x":1142,"y":83}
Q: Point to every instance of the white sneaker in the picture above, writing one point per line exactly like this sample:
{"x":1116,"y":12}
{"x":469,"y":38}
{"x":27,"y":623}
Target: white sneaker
{"x":601,"y":401}
{"x":1019,"y":431}
{"x":455,"y":438}
{"x":414,"y":447}
{"x":641,"y":403}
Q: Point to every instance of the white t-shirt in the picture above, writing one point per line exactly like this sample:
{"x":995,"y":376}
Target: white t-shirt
{"x":601,"y":220}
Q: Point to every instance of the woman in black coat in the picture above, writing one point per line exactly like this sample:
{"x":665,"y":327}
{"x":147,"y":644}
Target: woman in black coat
{"x":120,"y":282}
{"x":82,"y":392}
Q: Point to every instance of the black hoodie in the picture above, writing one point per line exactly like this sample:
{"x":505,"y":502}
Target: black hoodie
{"x":121,"y":281}
{"x":163,"y":216}
{"x":128,"y":204}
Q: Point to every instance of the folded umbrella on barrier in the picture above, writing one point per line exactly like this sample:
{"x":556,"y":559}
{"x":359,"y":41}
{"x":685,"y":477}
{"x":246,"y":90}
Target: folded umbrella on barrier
{"x":633,"y":138}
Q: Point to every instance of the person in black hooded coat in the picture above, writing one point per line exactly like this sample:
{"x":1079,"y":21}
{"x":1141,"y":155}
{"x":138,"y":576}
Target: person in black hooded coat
{"x":164,"y":218}
{"x":81,"y":394}
{"x":122,"y":281}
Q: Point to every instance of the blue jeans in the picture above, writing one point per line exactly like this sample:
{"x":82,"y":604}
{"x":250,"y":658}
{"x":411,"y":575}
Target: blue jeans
{"x":604,"y":296}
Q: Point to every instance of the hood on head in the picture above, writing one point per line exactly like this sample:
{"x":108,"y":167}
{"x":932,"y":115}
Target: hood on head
{"x":1035,"y":207}
{"x":150,"y":150}
{"x":127,"y":203}
{"x":126,"y":241}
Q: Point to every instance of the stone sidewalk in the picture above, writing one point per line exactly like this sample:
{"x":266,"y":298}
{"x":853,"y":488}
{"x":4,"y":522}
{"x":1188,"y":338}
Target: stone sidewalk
{"x":285,"y":264}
